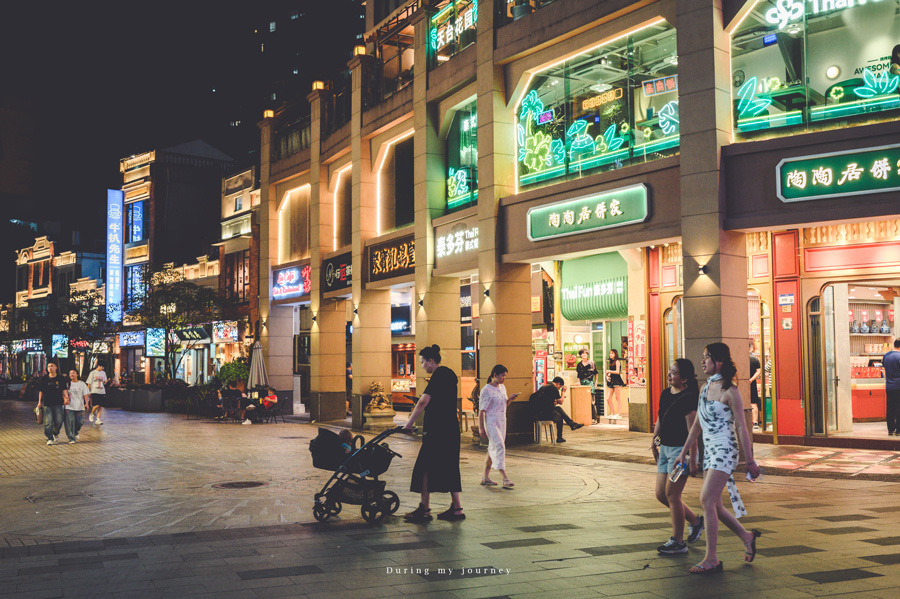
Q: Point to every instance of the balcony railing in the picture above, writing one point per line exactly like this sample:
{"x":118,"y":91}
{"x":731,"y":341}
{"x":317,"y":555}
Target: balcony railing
{"x":291,"y":138}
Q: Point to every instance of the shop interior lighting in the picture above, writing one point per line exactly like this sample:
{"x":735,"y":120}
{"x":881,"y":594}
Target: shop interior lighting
{"x":317,"y":85}
{"x":267,"y":114}
{"x":359,"y":50}
{"x":877,"y":104}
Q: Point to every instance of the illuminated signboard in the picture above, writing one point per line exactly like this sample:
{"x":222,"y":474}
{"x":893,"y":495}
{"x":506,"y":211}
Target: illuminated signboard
{"x":100,"y":347}
{"x":456,"y":243}
{"x":59,"y":346}
{"x":192,"y":334}
{"x":449,"y":24}
{"x":593,"y":290}
{"x":137,"y":221}
{"x":660,"y":86}
{"x":600,"y":99}
{"x":606,"y":210}
{"x":79,"y":344}
{"x":225,"y":331}
{"x":785,"y":12}
{"x":156,"y":343}
{"x":131,"y":339}
{"x":337,"y":273}
{"x":838,"y":174}
{"x":114,"y":254}
{"x":291,"y":282}
{"x":394,"y":258}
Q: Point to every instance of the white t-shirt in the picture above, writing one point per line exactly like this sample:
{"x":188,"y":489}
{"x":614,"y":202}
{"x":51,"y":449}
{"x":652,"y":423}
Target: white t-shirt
{"x":77,"y":391}
{"x":95,"y":381}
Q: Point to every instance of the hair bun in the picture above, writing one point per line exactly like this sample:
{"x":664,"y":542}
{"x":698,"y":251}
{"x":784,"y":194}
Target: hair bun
{"x":436,"y":347}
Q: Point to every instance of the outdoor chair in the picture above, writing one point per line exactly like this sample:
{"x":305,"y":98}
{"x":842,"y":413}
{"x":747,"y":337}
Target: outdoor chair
{"x":273,"y":413}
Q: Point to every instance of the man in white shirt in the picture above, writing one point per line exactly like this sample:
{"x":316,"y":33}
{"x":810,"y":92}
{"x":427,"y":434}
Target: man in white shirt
{"x":96,"y":382}
{"x":76,"y":398}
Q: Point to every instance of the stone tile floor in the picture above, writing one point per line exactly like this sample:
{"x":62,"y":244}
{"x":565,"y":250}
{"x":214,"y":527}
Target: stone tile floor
{"x":131,"y":512}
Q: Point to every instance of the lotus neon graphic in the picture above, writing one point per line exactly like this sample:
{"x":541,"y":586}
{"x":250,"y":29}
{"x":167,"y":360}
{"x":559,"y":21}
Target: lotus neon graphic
{"x":668,"y":118}
{"x":750,"y":106}
{"x":784,"y":12}
{"x":877,"y":85}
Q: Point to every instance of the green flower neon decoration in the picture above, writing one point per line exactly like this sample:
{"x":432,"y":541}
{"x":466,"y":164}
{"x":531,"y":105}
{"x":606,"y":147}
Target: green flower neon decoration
{"x":536,"y":153}
{"x":612,"y":141}
{"x":432,"y":36}
{"x":557,"y":151}
{"x":877,"y":85}
{"x":836,"y":93}
{"x":457,"y":183}
{"x":580,"y":142}
{"x":748,"y":106}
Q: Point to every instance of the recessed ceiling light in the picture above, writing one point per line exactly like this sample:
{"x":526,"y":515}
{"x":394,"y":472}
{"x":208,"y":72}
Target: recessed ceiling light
{"x":832,"y":72}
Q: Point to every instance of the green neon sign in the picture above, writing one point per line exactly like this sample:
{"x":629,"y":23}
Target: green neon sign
{"x":838,"y":174}
{"x":606,"y":210}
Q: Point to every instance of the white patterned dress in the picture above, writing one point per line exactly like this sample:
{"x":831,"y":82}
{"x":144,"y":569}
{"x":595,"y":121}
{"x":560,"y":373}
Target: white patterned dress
{"x":720,"y":447}
{"x":493,"y":403}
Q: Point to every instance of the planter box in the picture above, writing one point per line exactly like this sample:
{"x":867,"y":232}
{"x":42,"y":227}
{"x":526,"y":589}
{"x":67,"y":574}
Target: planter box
{"x":118,"y":398}
{"x":146,"y":401}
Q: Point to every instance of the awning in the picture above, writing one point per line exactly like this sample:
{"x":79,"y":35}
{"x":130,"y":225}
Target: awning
{"x":594,"y":288}
{"x":193,"y":334}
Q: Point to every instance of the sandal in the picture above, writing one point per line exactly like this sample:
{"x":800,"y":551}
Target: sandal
{"x":750,"y":555}
{"x":420,"y":514}
{"x":453,"y":514}
{"x":707,"y":569}
{"x":486,"y":482}
{"x":508,"y":484}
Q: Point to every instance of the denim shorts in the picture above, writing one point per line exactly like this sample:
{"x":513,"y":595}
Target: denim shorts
{"x":667,"y":457}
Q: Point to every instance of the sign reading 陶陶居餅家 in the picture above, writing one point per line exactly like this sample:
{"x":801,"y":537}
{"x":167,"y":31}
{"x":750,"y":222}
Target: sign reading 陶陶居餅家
{"x":394,"y":258}
{"x":605,"y":210}
{"x":854,"y":172}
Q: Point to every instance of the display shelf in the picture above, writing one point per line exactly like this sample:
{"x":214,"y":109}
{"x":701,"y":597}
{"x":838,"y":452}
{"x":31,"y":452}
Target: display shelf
{"x":871,"y":334}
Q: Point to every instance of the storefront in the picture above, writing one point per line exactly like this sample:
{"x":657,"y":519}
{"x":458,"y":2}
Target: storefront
{"x":131,"y":365}
{"x":195,"y":355}
{"x":228,"y":342}
{"x":291,"y":286}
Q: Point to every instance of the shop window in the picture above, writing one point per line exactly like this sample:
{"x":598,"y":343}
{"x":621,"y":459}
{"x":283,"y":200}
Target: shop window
{"x":396,"y":181}
{"x":820,"y":64}
{"x":607,"y":108}
{"x":673,"y":323}
{"x":462,"y":159}
{"x":452,"y":29}
{"x":134,"y":222}
{"x":293,"y":225}
{"x":237,"y":276}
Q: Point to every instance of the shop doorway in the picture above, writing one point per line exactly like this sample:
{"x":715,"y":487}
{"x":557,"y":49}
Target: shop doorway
{"x":610,"y":335}
{"x":851,"y":327}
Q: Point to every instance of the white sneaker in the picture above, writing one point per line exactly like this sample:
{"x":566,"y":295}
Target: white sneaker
{"x":50,"y":442}
{"x":71,"y":442}
{"x":91,"y":417}
{"x":77,"y":437}
{"x":247,"y":421}
{"x":98,"y":421}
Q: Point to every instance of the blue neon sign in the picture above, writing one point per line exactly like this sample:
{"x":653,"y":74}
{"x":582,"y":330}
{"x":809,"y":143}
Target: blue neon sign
{"x":137,"y":221}
{"x":114,"y":254}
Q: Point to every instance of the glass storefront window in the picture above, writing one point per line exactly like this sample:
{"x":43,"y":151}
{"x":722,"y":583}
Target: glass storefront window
{"x":821,"y":64}
{"x":452,"y":30}
{"x":462,"y":159}
{"x":610,"y":107}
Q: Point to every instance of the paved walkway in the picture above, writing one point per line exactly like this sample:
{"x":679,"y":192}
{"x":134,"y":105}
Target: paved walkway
{"x":132,"y":511}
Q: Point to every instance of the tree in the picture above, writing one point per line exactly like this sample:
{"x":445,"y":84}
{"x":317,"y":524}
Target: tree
{"x":172,"y":303}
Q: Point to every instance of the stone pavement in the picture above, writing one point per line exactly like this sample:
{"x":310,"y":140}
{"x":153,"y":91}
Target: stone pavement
{"x":131,"y":511}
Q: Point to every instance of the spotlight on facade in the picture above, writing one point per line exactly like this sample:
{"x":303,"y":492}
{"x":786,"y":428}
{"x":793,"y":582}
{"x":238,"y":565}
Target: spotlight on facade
{"x":359,"y":50}
{"x":356,"y":311}
{"x":487,"y":293}
{"x":703,"y":269}
{"x":421,"y":303}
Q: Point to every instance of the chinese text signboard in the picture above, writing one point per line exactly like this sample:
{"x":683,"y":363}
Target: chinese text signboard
{"x":394,"y":258}
{"x":449,"y":24}
{"x":606,"y":210}
{"x":660,"y":86}
{"x":291,"y":282}
{"x":838,"y":174}
{"x":456,"y":243}
{"x":337,"y":273}
{"x":131,"y":339}
{"x":225,"y":331}
{"x":570,"y":354}
{"x":114,"y":254}
{"x":637,"y":356}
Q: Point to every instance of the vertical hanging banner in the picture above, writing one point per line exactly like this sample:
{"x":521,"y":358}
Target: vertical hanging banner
{"x":114,"y":254}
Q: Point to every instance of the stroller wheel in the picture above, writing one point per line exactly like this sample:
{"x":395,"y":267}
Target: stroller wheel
{"x":391,"y":501}
{"x":321,"y":513}
{"x":335,"y":507}
{"x":373,"y":511}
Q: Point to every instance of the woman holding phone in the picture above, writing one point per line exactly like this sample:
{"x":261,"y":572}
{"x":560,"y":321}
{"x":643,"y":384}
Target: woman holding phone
{"x":492,"y":425}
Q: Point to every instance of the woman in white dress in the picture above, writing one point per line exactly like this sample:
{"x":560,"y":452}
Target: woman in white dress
{"x":492,"y":425}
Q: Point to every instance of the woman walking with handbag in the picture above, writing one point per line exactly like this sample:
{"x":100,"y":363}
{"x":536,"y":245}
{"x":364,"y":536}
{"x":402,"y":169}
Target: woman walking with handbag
{"x":677,"y":411}
{"x":492,"y":425}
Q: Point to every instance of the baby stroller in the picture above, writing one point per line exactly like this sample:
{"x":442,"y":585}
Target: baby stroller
{"x":355,"y":479}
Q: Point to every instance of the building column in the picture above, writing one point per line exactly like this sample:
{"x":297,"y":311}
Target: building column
{"x":276,"y":330}
{"x":328,"y":395}
{"x":715,"y":301}
{"x":437,"y":319}
{"x":371,"y":308}
{"x":505,"y":313}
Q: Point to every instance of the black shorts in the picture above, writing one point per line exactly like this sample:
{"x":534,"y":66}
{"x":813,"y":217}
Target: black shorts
{"x":615,"y":381}
{"x":98,"y":400}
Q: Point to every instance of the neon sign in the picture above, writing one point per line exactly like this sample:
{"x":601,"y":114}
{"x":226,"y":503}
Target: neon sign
{"x":291,"y":282}
{"x":663,"y":85}
{"x":839,"y":174}
{"x":605,"y":210}
{"x":114,"y":245}
{"x":789,"y":11}
{"x":337,"y":273}
{"x":457,"y":242}
{"x":456,"y":22}
{"x":599,"y":100}
{"x":131,"y":338}
{"x":393,"y":258}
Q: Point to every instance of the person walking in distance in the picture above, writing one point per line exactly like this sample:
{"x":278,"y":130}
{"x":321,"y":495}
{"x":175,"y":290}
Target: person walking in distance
{"x":96,"y":382}
{"x":613,"y":383}
{"x":891,"y":364}
{"x":492,"y":425}
{"x":78,"y":397}
{"x":437,"y":467}
{"x":677,"y":410}
{"x":52,"y":396}
{"x":719,"y":402}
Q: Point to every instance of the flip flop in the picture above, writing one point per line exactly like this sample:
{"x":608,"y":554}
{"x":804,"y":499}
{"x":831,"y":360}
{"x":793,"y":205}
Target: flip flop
{"x":508,"y":484}
{"x":486,"y":482}
{"x":711,"y":569}
{"x":752,"y":545}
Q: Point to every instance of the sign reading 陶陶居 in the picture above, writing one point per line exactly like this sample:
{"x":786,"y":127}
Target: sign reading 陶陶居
{"x":114,"y":254}
{"x":337,"y":273}
{"x":394,"y":258}
{"x":606,"y":210}
{"x":289,"y":282}
{"x":853,"y":172}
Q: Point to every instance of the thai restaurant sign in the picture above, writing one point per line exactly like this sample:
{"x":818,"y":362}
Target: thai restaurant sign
{"x":291,"y":282}
{"x":838,"y":174}
{"x":456,"y":243}
{"x":337,"y":273}
{"x":616,"y":208}
{"x":394,"y":258}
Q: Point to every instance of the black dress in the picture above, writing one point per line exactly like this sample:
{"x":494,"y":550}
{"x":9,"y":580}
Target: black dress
{"x":439,"y":456}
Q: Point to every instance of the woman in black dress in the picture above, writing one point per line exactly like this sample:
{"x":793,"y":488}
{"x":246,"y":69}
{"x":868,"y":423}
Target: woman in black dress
{"x":437,"y":467}
{"x":613,"y":383}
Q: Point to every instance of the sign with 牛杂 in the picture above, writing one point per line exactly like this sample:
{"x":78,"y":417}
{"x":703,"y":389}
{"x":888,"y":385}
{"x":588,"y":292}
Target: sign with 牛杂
{"x":839,"y":174}
{"x":616,"y":208}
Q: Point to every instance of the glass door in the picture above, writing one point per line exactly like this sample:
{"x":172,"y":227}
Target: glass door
{"x":831,"y":371}
{"x":815,"y":398}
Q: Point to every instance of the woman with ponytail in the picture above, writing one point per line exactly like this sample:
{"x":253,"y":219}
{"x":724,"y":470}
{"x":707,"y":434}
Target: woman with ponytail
{"x":719,"y":402}
{"x":492,"y":425}
{"x":437,"y":467}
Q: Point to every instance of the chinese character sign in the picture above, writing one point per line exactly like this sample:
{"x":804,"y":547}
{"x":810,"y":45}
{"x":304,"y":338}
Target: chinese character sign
{"x":337,"y":273}
{"x":617,"y":208}
{"x":875,"y":170}
{"x":394,"y":258}
{"x":291,"y":282}
{"x":114,"y":254}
